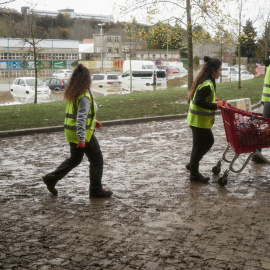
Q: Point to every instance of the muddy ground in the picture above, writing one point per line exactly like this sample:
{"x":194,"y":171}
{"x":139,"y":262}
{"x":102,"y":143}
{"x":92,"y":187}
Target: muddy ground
{"x":156,"y":219}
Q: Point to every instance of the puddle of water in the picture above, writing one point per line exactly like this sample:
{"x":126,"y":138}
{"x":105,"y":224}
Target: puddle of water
{"x":6,"y":98}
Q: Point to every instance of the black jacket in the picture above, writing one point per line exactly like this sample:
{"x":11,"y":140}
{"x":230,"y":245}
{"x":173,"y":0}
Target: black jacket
{"x":201,"y":96}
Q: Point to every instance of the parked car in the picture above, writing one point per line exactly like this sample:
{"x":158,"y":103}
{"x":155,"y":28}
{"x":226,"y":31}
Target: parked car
{"x":245,"y":75}
{"x":162,"y":67}
{"x":105,"y":80}
{"x":145,"y":76}
{"x":234,"y":69}
{"x":26,"y":85}
{"x":260,"y":69}
{"x":225,"y":72}
{"x":171,"y":71}
{"x":63,"y":73}
{"x":56,"y":84}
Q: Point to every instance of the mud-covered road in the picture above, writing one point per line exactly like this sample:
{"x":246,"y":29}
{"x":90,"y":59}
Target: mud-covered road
{"x":156,"y":219}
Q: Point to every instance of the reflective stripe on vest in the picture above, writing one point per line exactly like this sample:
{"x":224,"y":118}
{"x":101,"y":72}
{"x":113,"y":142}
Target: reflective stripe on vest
{"x":74,"y":127}
{"x":202,"y":113}
{"x":198,"y":116}
{"x":74,"y":116}
{"x":266,"y":87}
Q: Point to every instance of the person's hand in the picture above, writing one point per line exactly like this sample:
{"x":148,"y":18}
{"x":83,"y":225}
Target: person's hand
{"x":80,"y":145}
{"x":98,"y":124}
{"x":216,"y":99}
{"x":220,"y":103}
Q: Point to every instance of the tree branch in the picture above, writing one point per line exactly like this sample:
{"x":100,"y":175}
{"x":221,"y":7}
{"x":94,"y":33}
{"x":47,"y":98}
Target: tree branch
{"x":6,"y":2}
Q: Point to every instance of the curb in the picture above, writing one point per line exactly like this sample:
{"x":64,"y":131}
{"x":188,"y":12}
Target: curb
{"x":23,"y":132}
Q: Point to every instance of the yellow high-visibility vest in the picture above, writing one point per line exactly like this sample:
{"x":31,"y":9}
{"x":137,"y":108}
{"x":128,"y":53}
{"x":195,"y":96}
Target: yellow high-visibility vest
{"x":71,"y":120}
{"x":198,"y":116}
{"x":266,"y":86}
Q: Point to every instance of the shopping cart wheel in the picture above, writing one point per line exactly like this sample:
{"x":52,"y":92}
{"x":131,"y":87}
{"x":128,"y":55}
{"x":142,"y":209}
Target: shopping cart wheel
{"x":223,"y":180}
{"x":216,"y":169}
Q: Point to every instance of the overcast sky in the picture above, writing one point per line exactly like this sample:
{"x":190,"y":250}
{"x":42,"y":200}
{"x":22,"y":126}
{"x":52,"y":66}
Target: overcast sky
{"x":109,"y":7}
{"x":80,"y":6}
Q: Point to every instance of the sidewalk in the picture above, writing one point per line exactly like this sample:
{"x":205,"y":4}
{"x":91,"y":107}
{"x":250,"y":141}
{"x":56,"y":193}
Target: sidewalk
{"x":156,"y":219}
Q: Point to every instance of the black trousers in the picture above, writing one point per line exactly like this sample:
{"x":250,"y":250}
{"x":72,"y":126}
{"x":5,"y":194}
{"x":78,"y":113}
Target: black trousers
{"x":266,"y":109}
{"x":203,"y":140}
{"x":266,"y":114}
{"x":95,"y":158}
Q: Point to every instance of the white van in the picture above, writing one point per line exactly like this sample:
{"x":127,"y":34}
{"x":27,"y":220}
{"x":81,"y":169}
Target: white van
{"x":138,"y":64}
{"x":147,"y":77}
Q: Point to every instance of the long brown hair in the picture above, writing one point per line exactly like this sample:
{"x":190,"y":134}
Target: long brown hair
{"x":210,"y":65}
{"x":79,"y":83}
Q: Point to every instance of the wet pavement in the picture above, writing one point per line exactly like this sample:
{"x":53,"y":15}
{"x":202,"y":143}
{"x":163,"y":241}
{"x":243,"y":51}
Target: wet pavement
{"x":156,"y":219}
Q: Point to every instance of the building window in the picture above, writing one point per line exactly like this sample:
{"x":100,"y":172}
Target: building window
{"x":59,"y":56}
{"x":116,"y":39}
{"x":12,"y":56}
{"x":71,"y":56}
{"x":3,"y":56}
{"x":44,"y":56}
{"x":166,"y":57}
{"x":142,"y":56}
{"x":116,"y":50}
{"x":109,"y":50}
{"x":109,"y":39}
{"x":19,"y":56}
{"x":154,"y":56}
{"x":29,"y":57}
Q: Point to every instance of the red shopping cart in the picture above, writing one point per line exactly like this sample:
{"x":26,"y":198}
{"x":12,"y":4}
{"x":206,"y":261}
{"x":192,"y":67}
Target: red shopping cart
{"x":245,"y":132}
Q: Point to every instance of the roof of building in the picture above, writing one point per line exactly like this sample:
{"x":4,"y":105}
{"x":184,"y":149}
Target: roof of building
{"x":88,"y":40}
{"x":45,"y":43}
{"x":86,"y":48}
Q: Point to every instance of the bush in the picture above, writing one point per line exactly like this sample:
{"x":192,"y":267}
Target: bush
{"x":197,"y":60}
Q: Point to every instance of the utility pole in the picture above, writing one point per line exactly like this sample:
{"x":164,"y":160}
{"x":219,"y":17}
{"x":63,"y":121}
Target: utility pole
{"x":189,"y":45}
{"x":101,"y":47}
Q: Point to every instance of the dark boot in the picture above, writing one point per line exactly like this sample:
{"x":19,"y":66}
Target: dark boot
{"x":50,"y":183}
{"x":100,"y":193}
{"x":257,"y":159}
{"x":199,"y":178}
{"x":188,"y":167}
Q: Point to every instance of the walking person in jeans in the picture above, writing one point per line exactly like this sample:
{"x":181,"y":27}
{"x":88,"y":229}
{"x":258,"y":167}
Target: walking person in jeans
{"x":201,"y":114}
{"x":79,"y":131}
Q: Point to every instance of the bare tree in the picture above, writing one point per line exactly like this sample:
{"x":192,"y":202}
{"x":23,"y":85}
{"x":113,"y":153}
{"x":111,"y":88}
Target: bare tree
{"x":235,"y":19}
{"x":6,"y":2}
{"x":188,"y":13}
{"x":30,"y":36}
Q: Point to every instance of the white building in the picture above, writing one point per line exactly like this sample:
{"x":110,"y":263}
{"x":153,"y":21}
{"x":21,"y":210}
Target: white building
{"x":16,"y":56}
{"x":71,"y":12}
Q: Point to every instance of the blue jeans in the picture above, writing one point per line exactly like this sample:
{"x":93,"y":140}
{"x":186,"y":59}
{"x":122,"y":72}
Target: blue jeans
{"x":95,"y":158}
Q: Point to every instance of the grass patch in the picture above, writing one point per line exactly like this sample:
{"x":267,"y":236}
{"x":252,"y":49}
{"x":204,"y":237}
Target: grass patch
{"x":113,"y":107}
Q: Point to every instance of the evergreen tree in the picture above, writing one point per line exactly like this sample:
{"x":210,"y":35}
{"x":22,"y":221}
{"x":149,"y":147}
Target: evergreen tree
{"x":263,"y":44}
{"x":248,"y":44}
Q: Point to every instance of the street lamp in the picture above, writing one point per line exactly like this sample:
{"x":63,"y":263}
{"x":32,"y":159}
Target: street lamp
{"x":101,"y":24}
{"x":130,"y":66}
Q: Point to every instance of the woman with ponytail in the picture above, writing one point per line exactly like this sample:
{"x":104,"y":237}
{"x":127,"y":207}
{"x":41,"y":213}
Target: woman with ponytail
{"x":201,"y":114}
{"x":79,"y":131}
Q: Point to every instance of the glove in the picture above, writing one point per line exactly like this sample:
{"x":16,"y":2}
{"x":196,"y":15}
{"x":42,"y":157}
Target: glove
{"x":219,"y":104}
{"x":98,"y":124}
{"x":80,"y":145}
